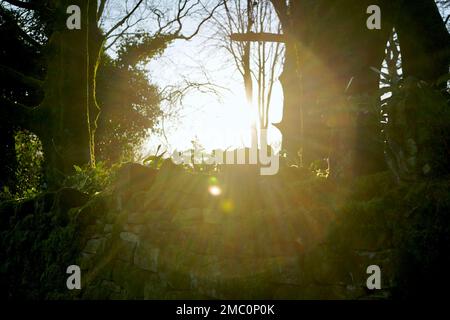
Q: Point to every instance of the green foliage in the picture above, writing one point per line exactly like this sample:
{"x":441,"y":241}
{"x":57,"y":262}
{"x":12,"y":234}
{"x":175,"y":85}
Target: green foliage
{"x":19,"y":55}
{"x":91,"y":180}
{"x":141,"y":47}
{"x":30,"y":158}
{"x":418,"y":129}
{"x":28,"y":172}
{"x":130,"y":103}
{"x":154,"y":161}
{"x":37,"y":250}
{"x":5,"y":193}
{"x":321,"y":168}
{"x":29,"y":165}
{"x":130,"y":106}
{"x":424,"y":242}
{"x":410,"y":220}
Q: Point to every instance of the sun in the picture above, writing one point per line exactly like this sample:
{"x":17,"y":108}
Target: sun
{"x":226,"y":124}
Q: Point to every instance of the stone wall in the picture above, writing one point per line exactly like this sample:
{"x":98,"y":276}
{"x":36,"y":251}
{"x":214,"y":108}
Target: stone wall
{"x":170,"y":239}
{"x":163,"y":244}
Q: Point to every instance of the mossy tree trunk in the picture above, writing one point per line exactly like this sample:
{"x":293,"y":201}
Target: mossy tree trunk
{"x":329,"y":54}
{"x":65,"y":120}
{"x":424,"y":40}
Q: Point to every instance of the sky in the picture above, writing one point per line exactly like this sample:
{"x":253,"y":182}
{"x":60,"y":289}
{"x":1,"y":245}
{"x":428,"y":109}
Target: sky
{"x":213,"y":120}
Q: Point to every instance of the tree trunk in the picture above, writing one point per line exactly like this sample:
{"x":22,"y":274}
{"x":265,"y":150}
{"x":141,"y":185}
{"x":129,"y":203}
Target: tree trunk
{"x":328,"y":46}
{"x":66,"y":117}
{"x":424,"y":40}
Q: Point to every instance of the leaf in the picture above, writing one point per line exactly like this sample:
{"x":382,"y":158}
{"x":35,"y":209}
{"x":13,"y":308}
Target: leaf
{"x":349,"y":84}
{"x":77,"y":168}
{"x":150,"y":158}
{"x":157,"y":150}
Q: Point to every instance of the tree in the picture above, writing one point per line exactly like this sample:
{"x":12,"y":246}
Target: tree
{"x":66,"y":119}
{"x":424,"y":40}
{"x":20,"y":55}
{"x":322,"y":59}
{"x":130,"y":107}
{"x":258,"y":63}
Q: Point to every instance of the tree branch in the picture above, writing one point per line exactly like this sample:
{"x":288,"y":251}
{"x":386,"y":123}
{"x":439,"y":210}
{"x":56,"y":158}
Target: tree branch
{"x":12,"y":23}
{"x":197,"y":30}
{"x":101,"y":8}
{"x":22,"y":4}
{"x":20,"y":77}
{"x":281,"y":9}
{"x":121,"y":22}
{"x":260,"y":36}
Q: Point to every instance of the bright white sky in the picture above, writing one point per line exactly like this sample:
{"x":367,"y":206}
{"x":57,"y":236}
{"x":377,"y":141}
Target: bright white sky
{"x":219,"y":120}
{"x":215,"y":121}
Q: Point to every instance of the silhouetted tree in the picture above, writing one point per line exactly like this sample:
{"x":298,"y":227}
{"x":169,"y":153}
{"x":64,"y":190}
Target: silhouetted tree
{"x":66,"y":119}
{"x":329,"y":53}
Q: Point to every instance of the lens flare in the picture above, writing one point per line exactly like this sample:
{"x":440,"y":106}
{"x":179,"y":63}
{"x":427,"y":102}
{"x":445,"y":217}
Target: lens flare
{"x":215,"y":190}
{"x":227,"y":206}
{"x":213,"y":180}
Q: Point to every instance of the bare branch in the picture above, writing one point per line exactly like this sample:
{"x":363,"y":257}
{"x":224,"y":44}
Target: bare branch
{"x":101,"y":8}
{"x":12,"y":23}
{"x":260,"y":36}
{"x":22,"y":4}
{"x":199,"y":26}
{"x":121,"y":22}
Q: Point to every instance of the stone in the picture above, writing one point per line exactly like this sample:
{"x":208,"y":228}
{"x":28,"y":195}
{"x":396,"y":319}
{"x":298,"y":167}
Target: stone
{"x":288,"y":292}
{"x":325,"y":267}
{"x":256,"y":286}
{"x":45,"y":201}
{"x":155,"y":287}
{"x":188,"y":216}
{"x":110,"y":286}
{"x":123,"y":249}
{"x":184,"y":295}
{"x":213,"y":216}
{"x":86,"y":260}
{"x":93,"y":231}
{"x":130,"y":278}
{"x":71,"y":198}
{"x":94,"y":246}
{"x":133,"y":177}
{"x":108,"y":228}
{"x":146,"y":257}
{"x":128,"y":236}
{"x":134,"y":228}
{"x":136,"y":218}
{"x":178,"y":280}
